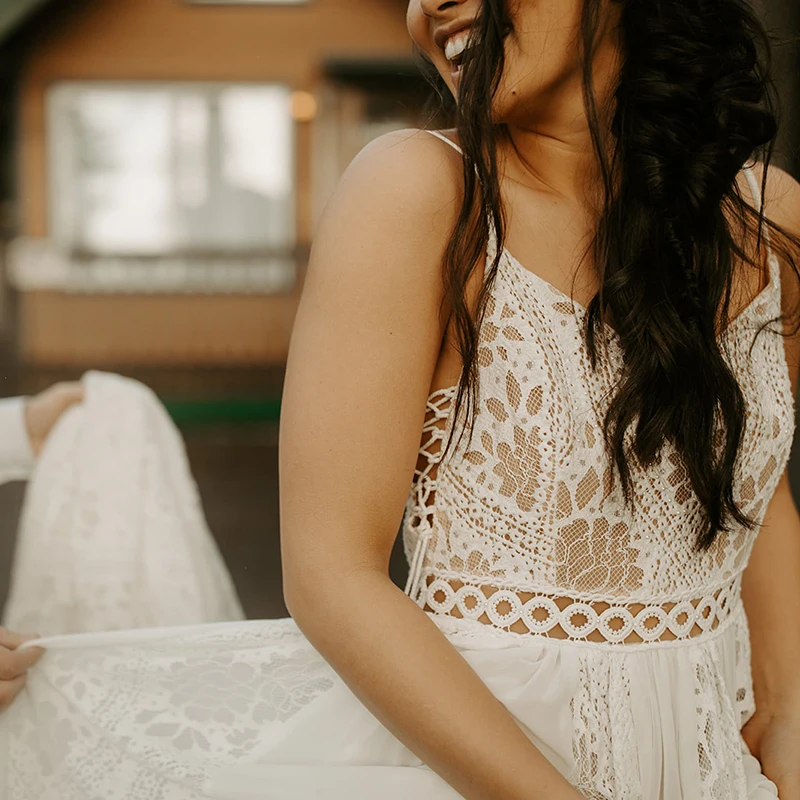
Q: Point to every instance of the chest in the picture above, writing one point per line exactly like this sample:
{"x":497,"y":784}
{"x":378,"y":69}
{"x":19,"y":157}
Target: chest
{"x":543,"y":404}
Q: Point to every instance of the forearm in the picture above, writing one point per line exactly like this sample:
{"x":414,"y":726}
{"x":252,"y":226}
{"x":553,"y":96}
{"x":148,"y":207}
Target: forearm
{"x":771,"y":592}
{"x":415,"y":682}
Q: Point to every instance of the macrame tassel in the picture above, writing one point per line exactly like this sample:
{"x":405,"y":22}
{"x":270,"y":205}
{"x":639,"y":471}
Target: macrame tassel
{"x":415,"y":568}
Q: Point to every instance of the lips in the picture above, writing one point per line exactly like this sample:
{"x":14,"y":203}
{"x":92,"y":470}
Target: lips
{"x":445,"y":32}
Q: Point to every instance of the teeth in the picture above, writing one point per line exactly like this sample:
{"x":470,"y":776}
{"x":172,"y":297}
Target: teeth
{"x":456,"y":45}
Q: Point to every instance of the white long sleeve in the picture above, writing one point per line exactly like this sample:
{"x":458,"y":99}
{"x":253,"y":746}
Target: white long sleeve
{"x":16,"y":455}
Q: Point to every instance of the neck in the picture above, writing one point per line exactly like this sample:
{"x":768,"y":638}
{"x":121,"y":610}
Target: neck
{"x":557,"y":161}
{"x":553,"y":151}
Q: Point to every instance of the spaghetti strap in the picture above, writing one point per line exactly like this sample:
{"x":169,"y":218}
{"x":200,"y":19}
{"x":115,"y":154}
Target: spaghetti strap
{"x":491,"y":245}
{"x":755,"y":190}
{"x":446,"y":140}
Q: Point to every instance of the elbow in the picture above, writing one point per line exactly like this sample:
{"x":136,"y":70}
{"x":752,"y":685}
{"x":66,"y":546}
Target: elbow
{"x":304,"y":590}
{"x":296,"y":602}
{"x":312,"y":593}
{"x":295,"y":596}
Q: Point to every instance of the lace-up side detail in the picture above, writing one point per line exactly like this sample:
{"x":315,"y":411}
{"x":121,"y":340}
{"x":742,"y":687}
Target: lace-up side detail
{"x":419,"y":510}
{"x":578,"y":620}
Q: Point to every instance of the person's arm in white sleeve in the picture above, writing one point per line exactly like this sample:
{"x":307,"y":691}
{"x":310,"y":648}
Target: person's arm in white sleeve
{"x":16,"y":451}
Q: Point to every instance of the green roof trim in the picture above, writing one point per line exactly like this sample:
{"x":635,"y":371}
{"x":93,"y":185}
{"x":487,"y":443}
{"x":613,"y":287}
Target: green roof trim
{"x":13,"y":12}
{"x":186,"y":413}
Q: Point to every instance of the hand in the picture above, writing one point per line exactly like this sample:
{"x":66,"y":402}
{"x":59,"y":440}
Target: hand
{"x":774,"y":739}
{"x":43,"y":411}
{"x":14,"y":664}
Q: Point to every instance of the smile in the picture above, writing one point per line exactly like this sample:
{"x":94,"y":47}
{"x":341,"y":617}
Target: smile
{"x":454,"y":49}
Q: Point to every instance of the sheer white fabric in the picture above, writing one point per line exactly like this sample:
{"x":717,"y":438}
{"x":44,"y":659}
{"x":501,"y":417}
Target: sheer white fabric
{"x":250,"y":710}
{"x":112,"y":533}
{"x":16,"y":455}
{"x":622,"y":652}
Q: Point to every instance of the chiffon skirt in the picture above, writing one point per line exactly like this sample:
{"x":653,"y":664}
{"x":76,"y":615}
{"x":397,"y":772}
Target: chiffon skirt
{"x":251,"y":710}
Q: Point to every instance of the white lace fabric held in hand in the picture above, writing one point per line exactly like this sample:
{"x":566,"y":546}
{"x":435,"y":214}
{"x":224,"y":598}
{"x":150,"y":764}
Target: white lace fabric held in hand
{"x":112,"y":533}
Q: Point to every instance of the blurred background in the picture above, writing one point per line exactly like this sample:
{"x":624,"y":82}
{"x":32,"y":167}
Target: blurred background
{"x":163,"y":164}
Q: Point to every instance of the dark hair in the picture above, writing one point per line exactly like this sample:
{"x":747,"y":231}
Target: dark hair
{"x":693,"y":105}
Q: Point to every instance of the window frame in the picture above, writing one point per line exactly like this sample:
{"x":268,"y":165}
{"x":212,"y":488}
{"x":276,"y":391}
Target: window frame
{"x":60,"y":147}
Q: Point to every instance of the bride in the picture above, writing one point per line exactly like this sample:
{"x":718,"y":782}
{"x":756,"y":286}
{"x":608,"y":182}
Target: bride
{"x":569,"y":326}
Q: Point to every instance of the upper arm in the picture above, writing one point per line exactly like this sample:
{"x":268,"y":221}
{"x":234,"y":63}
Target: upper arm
{"x":782,"y":206}
{"x":364,"y":347}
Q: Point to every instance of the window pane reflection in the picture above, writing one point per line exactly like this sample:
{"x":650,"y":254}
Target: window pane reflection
{"x":148,"y":171}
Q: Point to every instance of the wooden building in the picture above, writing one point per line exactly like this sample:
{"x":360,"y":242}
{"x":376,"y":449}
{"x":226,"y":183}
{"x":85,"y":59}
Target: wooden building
{"x":166,"y":161}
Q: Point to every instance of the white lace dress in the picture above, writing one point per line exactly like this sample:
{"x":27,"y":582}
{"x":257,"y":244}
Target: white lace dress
{"x":620,"y":650}
{"x":112,"y":533}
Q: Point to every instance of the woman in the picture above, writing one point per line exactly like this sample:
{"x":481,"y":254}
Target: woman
{"x":604,"y":431}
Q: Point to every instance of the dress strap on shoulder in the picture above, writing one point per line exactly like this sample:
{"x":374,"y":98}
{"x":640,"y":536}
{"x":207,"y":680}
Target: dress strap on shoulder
{"x":445,"y":139}
{"x":755,"y":191}
{"x":491,"y":246}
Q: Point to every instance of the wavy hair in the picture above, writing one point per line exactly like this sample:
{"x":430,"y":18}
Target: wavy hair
{"x":693,"y":105}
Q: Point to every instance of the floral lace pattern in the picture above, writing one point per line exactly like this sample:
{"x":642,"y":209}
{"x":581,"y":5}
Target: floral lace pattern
{"x":717,"y":743}
{"x":603,"y":723}
{"x":194,"y":709}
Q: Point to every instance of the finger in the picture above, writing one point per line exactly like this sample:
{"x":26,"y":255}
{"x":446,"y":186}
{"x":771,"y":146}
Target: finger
{"x":11,"y":640}
{"x":14,"y":663}
{"x":10,"y":689}
{"x":71,"y":393}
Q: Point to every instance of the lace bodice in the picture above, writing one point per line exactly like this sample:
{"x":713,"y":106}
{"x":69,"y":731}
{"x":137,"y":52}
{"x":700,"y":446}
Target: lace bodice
{"x":529,"y":507}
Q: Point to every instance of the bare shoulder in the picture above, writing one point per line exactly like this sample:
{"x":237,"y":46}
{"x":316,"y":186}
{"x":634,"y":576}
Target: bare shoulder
{"x":376,"y":260}
{"x":391,"y":216}
{"x":421,"y":147}
{"x":408,"y":172}
{"x":782,"y":208}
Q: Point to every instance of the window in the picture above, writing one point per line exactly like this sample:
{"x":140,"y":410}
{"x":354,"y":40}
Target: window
{"x":167,"y":170}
